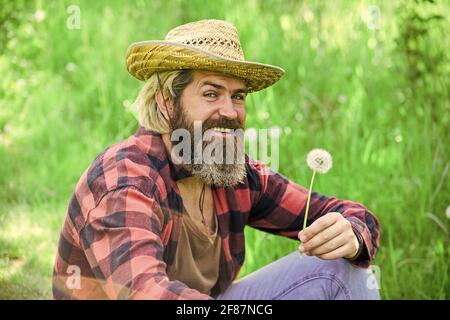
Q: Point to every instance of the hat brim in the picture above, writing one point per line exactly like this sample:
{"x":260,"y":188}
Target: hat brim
{"x":145,"y":58}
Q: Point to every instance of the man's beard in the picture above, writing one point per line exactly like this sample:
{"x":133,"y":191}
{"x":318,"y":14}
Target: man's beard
{"x":216,"y":169}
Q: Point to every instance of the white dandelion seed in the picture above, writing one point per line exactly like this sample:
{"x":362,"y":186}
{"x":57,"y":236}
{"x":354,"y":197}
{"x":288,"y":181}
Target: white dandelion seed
{"x":319,"y":160}
{"x":447,"y":212}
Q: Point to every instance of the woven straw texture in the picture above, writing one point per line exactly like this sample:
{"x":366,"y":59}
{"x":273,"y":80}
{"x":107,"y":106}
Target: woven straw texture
{"x":211,"y":45}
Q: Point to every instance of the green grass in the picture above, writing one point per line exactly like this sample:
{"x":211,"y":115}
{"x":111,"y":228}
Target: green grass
{"x":348,"y":89}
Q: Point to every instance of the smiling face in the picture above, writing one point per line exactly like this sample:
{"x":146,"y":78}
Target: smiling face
{"x":217,"y":102}
{"x":214,"y":97}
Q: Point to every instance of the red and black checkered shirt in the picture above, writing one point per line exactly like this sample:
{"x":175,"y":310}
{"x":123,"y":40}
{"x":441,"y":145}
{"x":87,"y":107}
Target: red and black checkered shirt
{"x":123,"y":222}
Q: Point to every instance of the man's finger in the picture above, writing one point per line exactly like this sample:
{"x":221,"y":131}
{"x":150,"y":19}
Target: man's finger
{"x":317,"y":226}
{"x":323,"y":237}
{"x":335,"y":254}
{"x":328,"y":246}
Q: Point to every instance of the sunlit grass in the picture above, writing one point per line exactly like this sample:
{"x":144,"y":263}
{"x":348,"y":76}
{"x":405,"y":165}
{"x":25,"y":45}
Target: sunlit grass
{"x":27,"y":250}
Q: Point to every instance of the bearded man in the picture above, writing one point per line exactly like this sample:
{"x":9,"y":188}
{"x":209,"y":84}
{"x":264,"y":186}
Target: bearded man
{"x":161,"y":215}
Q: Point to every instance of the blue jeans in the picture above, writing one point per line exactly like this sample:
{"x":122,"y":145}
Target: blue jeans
{"x":301,"y":277}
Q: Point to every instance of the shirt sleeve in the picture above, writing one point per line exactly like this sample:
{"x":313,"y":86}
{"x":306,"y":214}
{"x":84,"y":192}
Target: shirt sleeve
{"x":279,"y":204}
{"x":121,"y":240}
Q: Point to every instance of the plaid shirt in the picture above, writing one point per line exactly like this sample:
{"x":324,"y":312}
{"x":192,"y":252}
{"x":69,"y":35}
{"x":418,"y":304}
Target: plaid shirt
{"x":123,"y":222}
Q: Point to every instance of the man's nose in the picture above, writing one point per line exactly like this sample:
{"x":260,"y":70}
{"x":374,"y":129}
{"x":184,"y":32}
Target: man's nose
{"x":227,"y":110}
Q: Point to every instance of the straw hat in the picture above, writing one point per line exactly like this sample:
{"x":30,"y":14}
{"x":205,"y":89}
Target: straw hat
{"x":211,"y":45}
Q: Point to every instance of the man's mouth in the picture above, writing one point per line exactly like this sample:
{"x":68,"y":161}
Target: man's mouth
{"x":221,"y":132}
{"x":220,"y":129}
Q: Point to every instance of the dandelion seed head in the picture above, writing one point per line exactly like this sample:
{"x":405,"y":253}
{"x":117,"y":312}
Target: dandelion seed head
{"x":39,"y":15}
{"x":71,"y":67}
{"x":319,"y":160}
{"x":398,"y":138}
{"x":447,"y":212}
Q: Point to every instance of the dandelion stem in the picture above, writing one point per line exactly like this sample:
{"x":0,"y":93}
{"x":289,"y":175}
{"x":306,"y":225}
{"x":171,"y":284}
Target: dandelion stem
{"x":309,"y":198}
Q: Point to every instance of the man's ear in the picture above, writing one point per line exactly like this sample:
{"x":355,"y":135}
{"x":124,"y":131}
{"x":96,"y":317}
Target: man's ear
{"x":164,"y":106}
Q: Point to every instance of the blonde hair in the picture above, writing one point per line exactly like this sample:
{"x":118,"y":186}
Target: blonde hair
{"x":173,"y":84}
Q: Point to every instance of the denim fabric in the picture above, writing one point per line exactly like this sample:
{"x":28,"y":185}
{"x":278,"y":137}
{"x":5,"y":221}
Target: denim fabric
{"x":301,"y":277}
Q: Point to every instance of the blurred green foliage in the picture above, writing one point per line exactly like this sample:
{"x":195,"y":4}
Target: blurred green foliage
{"x":375,"y":95}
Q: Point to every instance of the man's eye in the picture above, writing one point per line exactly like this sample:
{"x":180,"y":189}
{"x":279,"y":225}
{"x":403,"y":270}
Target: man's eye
{"x":240,"y":97}
{"x":210,"y":95}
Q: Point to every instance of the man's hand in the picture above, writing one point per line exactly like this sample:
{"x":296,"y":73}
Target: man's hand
{"x":329,"y":237}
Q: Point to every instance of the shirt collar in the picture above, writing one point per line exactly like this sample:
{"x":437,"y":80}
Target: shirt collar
{"x":156,"y":147}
